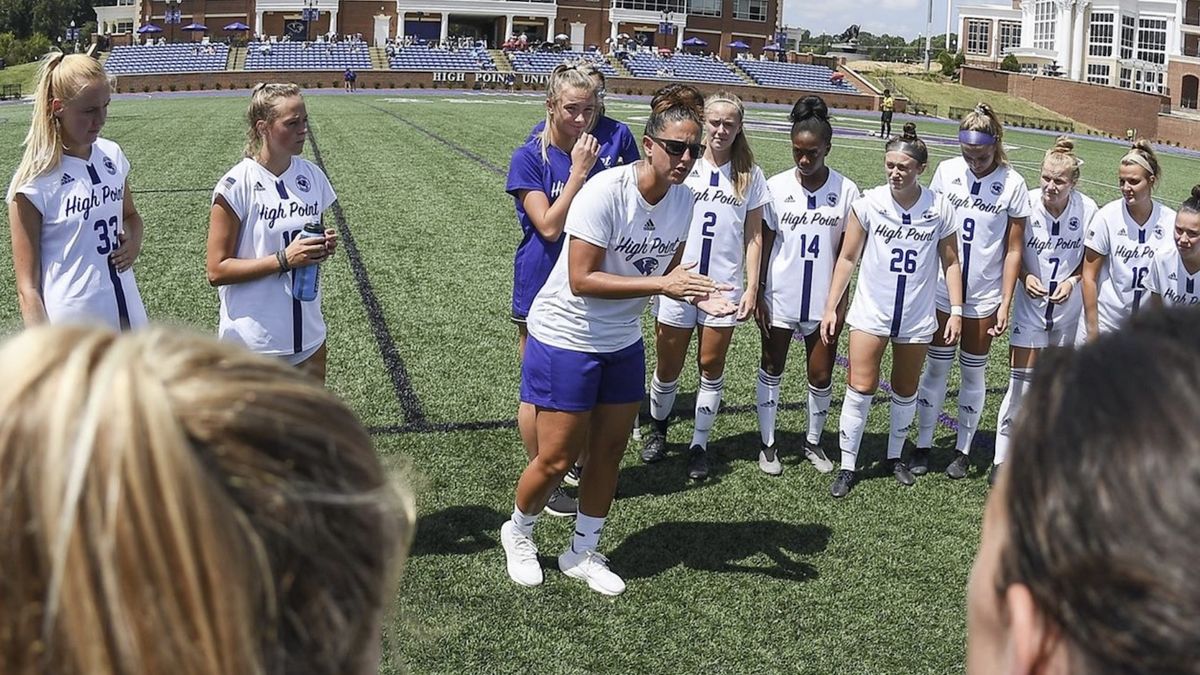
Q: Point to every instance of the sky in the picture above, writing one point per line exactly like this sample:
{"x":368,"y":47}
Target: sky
{"x":895,"y":17}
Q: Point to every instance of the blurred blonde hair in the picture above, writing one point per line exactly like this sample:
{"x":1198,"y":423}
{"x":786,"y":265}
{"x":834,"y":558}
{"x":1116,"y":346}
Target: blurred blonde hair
{"x":176,"y":505}
{"x":1061,"y":157}
{"x":264,"y":98}
{"x":742,"y":157}
{"x":983,"y":118}
{"x":573,"y":75}
{"x":59,"y":77}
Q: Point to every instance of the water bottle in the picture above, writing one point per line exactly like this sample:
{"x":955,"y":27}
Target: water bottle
{"x":305,"y":279}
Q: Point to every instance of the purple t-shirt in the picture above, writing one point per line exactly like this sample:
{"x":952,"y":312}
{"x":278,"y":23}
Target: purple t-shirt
{"x":617,"y":144}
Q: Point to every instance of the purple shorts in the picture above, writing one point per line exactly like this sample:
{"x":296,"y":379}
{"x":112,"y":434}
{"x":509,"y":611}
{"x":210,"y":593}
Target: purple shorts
{"x":571,"y":381}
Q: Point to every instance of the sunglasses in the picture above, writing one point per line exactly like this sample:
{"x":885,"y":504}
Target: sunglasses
{"x":677,"y":148}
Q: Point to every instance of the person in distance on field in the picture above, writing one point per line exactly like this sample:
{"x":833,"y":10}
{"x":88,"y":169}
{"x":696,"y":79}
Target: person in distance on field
{"x":179,"y":506}
{"x":1097,"y":575}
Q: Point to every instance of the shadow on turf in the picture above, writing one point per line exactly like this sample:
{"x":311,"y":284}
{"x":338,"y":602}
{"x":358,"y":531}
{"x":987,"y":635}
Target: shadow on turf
{"x":718,"y":547}
{"x":458,"y":530}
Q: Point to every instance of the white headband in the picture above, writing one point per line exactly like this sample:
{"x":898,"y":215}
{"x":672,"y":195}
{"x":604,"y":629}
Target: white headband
{"x":1134,"y":157}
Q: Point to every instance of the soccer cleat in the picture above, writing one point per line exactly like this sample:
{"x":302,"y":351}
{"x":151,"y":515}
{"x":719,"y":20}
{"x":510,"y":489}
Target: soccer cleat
{"x":591,"y":567}
{"x":655,"y":447}
{"x":573,"y":476}
{"x":919,"y":462}
{"x":697,"y":468}
{"x":843,"y":482}
{"x":816,"y":456}
{"x":561,"y":504}
{"x":958,"y":468}
{"x":768,"y":461}
{"x":901,"y":471}
{"x":521,"y":555}
{"x":994,"y":475}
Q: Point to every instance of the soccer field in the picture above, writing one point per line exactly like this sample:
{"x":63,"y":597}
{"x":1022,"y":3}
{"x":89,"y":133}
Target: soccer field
{"x":744,"y":573}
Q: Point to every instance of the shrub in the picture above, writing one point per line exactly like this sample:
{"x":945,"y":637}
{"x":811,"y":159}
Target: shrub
{"x":1010,"y":64}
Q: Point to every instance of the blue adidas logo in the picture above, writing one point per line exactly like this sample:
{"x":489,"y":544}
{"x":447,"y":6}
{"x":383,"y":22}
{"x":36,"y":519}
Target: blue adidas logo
{"x":66,"y":179}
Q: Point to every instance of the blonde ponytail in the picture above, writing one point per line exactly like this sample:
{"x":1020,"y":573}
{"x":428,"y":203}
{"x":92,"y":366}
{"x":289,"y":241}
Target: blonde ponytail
{"x":61,"y":76}
{"x":263,"y":98}
{"x":567,"y":75}
{"x":741,"y":157}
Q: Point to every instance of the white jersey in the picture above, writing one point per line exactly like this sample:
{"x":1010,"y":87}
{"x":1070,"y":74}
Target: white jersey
{"x":897,"y":279}
{"x":716,"y":239}
{"x":639,"y":239}
{"x":982,"y":209}
{"x":808,"y":233}
{"x":262,"y":314}
{"x":1170,"y":280}
{"x":1053,"y":251}
{"x":1130,"y":249}
{"x":82,"y":203}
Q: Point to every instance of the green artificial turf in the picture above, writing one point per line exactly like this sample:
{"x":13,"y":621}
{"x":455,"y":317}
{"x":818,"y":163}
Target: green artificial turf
{"x":742,"y":574}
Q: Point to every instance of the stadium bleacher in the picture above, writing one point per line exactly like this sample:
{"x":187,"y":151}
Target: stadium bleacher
{"x":168,"y":58}
{"x":422,"y":57}
{"x":681,"y":67}
{"x":794,"y":76}
{"x":308,"y":56}
{"x":544,"y":62}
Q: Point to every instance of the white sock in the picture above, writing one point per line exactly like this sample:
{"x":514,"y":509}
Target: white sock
{"x":662,"y":398}
{"x":523,"y":523}
{"x":855,"y":409}
{"x":708,"y":402}
{"x":1018,"y":380}
{"x":971,"y":394}
{"x":932,"y":392}
{"x":818,"y":410}
{"x":902,"y":411}
{"x":587,"y":533}
{"x":767,"y":395}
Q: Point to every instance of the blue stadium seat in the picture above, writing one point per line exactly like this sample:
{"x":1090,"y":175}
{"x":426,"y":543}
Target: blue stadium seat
{"x":422,"y":57}
{"x":681,"y":67}
{"x":795,"y":76}
{"x":170,"y":58}
{"x":308,"y":56}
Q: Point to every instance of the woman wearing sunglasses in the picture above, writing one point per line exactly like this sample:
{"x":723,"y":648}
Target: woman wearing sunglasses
{"x":725,"y":236}
{"x":584,"y":366}
{"x":902,"y":231}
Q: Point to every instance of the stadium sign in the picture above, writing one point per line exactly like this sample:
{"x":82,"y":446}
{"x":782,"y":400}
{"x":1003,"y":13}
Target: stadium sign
{"x":489,"y":77}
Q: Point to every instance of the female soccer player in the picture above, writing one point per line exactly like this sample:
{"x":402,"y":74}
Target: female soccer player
{"x":544,"y":176}
{"x":75,"y":230}
{"x":810,"y":205}
{"x":258,"y":211}
{"x":901,"y":230}
{"x":1046,"y":311}
{"x":584,"y":365}
{"x":616,"y":141}
{"x":1175,"y":274}
{"x":1120,"y":245}
{"x":991,"y":206}
{"x":725,"y":237}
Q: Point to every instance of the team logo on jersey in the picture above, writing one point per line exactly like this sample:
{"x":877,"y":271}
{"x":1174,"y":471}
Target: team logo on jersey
{"x":1073,"y":224}
{"x":1158,"y":233}
{"x":791,"y":199}
{"x":1173,"y":276}
{"x":649,"y":225}
{"x":303,"y":184}
{"x":66,"y":179}
{"x":258,"y":187}
{"x":646,"y":265}
{"x":109,"y":167}
{"x":831,"y":198}
{"x":997,"y":189}
{"x":606,"y":161}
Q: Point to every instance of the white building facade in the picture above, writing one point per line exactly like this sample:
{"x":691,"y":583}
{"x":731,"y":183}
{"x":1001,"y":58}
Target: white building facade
{"x":1120,"y":43}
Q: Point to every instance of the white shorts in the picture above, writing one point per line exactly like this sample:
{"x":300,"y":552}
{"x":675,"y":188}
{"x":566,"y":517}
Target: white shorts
{"x":804,"y":328}
{"x":1035,"y":335}
{"x":679,"y":314}
{"x":900,"y":339}
{"x":970,"y":311}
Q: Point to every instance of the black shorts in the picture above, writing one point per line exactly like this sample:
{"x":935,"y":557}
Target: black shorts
{"x":887,"y":116}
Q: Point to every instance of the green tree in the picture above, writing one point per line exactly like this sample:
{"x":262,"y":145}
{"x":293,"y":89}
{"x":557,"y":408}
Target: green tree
{"x":1010,"y":64}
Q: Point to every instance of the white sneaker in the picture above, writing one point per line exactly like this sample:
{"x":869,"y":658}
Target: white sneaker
{"x":521,"y":555}
{"x":814,"y":454}
{"x":768,"y":461}
{"x":591,"y":567}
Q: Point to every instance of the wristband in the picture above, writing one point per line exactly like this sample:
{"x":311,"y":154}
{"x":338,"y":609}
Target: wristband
{"x":1074,"y":280}
{"x":281,"y":258}
{"x":956,"y":310}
